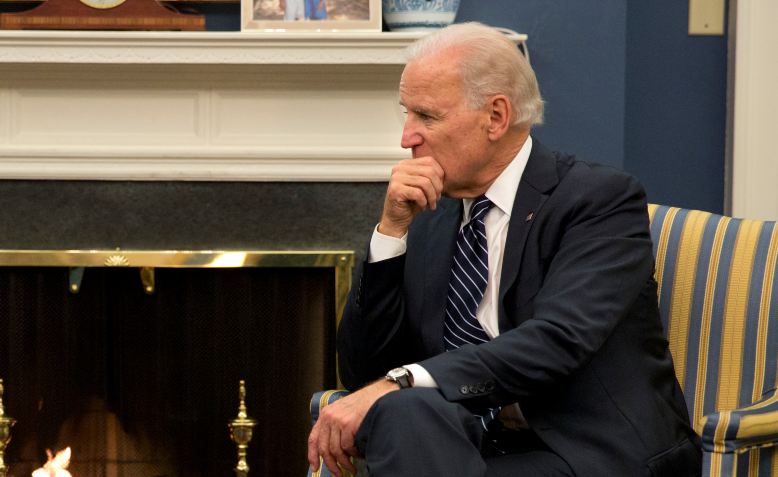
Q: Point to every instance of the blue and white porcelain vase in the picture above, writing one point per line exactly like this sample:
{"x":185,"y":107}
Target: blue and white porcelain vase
{"x":418,"y":15}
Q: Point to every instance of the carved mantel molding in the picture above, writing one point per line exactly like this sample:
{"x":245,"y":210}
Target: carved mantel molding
{"x":232,"y":106}
{"x":204,"y":48}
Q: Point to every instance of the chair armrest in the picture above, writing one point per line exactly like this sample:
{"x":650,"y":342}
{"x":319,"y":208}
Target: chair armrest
{"x":738,"y":430}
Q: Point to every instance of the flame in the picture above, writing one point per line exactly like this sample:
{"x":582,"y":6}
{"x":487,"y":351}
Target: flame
{"x":56,"y":465}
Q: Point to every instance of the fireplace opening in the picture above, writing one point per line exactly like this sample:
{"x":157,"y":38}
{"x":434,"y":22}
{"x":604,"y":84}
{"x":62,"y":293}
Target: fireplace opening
{"x":144,"y":384}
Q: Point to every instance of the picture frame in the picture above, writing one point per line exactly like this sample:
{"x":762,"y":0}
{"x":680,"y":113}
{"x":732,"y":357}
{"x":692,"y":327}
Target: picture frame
{"x":311,"y":15}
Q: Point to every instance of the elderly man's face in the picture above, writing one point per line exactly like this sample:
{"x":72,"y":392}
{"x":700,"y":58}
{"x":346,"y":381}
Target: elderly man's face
{"x":440,"y":125}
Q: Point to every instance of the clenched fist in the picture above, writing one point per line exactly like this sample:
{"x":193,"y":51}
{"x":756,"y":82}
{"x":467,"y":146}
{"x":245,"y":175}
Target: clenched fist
{"x":415,"y":185}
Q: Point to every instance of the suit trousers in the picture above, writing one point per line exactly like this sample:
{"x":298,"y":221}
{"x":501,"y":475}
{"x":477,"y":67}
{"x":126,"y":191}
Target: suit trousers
{"x":416,"y":431}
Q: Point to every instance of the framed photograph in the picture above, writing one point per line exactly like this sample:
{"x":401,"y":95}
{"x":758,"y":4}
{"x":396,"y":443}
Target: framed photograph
{"x":311,"y":15}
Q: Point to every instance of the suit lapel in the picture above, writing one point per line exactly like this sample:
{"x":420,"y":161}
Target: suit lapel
{"x":538,"y":179}
{"x":441,"y":232}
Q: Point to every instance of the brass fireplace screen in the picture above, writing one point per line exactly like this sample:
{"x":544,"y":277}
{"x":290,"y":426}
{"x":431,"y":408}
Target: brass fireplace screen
{"x":143,"y":350}
{"x":148,"y":260}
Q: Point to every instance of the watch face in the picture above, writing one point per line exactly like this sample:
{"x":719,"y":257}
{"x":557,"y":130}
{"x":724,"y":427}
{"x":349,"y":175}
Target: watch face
{"x":400,"y":376}
{"x":102,"y":4}
{"x":397,"y":373}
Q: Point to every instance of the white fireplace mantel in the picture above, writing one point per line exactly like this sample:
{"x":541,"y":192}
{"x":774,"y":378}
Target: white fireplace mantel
{"x":201,"y":106}
{"x":203,"y":48}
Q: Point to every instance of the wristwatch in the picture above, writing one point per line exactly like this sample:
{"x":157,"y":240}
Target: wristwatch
{"x":401,"y":376}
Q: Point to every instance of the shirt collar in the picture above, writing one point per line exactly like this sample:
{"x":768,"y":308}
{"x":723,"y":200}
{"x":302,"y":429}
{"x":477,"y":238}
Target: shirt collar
{"x":502,"y":192}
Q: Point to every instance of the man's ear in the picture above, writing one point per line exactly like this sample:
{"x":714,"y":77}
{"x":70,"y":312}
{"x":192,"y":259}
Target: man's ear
{"x":500,"y":116}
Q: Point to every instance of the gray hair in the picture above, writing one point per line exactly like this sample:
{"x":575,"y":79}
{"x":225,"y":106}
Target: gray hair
{"x":491,"y":64}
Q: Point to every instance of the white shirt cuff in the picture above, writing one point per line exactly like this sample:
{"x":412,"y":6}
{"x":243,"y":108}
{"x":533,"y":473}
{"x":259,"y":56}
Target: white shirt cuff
{"x":384,"y":247}
{"x":421,"y":378}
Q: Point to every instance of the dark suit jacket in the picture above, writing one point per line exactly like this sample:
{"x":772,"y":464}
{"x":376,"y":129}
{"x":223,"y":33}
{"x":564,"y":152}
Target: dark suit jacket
{"x":581,"y":347}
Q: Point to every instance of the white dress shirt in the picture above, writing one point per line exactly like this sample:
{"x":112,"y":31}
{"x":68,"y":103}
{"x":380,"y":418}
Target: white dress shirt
{"x":502,"y":193}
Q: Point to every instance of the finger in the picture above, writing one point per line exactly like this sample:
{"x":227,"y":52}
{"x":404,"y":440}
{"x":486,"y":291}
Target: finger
{"x":428,"y":183}
{"x":425,"y":166}
{"x":430,"y":161}
{"x":313,"y":451}
{"x":324,"y":452}
{"x":404,"y":198}
{"x":428,"y":176}
{"x":417,"y":190}
{"x":337,"y":451}
{"x":347,"y":444}
{"x":432,"y":195}
{"x":345,"y":463}
{"x":331,"y":464}
{"x":430,"y":166}
{"x":437,"y":176}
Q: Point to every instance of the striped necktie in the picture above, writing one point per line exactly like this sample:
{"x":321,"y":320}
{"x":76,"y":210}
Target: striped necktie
{"x":469,"y":275}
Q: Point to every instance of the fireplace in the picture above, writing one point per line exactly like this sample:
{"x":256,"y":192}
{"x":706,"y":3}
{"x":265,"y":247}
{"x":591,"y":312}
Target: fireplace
{"x":133,"y":358}
{"x":158,"y":141}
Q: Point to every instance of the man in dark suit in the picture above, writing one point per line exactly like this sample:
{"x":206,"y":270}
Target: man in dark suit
{"x":560,"y":366}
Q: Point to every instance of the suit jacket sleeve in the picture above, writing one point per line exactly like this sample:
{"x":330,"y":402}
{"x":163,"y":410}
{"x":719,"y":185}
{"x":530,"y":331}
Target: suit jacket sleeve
{"x":372,"y":332}
{"x":590,"y":251}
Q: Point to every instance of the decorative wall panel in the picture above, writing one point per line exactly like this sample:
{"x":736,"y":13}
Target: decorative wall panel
{"x":88,"y":114}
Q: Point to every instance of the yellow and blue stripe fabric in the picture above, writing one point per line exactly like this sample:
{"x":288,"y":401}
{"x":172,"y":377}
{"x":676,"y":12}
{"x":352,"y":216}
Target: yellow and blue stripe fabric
{"x":717,"y":281}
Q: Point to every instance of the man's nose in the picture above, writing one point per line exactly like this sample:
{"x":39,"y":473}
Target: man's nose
{"x":410,"y":137}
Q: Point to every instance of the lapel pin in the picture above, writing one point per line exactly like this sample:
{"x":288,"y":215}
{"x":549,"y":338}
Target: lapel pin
{"x":529,"y":216}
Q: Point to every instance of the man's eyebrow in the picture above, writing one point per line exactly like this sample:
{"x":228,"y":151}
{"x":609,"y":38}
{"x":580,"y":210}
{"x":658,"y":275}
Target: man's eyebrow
{"x":420,"y":110}
{"x":425,"y":110}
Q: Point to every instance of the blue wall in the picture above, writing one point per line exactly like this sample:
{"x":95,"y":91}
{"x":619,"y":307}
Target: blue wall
{"x":626,"y":85}
{"x":676,"y":106}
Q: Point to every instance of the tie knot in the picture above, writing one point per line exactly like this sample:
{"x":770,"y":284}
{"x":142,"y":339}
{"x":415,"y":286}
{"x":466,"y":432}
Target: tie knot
{"x":480,"y":207}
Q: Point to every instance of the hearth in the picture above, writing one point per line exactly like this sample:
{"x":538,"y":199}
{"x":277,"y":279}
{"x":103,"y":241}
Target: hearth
{"x":133,"y":358}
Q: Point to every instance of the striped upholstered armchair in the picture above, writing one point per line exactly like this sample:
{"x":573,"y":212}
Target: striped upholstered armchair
{"x":718,"y":296}
{"x":719,"y":306}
